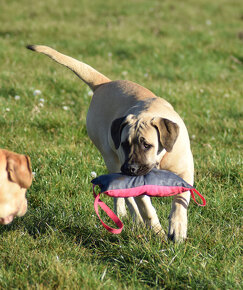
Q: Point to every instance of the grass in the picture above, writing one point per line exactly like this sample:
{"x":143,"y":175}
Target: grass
{"x":189,"y":52}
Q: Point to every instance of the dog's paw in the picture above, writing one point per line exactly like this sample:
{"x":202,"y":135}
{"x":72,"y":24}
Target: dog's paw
{"x":178,"y":225}
{"x":162,"y":235}
{"x":156,"y":227}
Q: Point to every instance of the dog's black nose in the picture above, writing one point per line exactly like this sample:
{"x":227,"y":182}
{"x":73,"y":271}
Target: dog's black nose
{"x":129,"y":169}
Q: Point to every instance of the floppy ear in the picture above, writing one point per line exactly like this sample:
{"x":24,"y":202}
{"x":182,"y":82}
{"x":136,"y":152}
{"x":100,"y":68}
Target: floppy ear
{"x":116,"y":128}
{"x":168,"y":132}
{"x":19,"y":170}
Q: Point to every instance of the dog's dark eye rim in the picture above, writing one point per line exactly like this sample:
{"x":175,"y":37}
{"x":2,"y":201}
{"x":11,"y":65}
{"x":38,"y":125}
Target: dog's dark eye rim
{"x":146,"y":145}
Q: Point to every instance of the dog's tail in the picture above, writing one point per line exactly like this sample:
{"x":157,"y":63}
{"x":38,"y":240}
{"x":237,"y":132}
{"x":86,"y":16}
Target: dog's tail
{"x":88,"y":74}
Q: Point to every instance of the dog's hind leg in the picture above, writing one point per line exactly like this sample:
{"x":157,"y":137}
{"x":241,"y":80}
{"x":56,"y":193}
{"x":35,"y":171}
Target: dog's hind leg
{"x":120,"y":209}
{"x":134,"y":211}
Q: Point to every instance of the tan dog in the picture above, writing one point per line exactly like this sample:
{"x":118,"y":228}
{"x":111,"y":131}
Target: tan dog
{"x":135,"y":131}
{"x":15,"y":178}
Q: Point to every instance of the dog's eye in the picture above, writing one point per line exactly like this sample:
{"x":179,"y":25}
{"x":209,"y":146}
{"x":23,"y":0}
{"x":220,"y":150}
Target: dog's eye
{"x":147,"y":146}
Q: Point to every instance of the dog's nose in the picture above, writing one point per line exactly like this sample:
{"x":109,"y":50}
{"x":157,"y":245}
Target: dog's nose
{"x":133,"y":169}
{"x":129,"y":169}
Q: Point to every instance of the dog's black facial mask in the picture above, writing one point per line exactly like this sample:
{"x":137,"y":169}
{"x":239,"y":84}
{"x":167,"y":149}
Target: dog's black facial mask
{"x":139,"y":142}
{"x":135,"y":155}
{"x":131,"y":146}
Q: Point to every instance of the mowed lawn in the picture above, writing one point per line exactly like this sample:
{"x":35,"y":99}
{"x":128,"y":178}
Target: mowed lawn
{"x":188,"y":52}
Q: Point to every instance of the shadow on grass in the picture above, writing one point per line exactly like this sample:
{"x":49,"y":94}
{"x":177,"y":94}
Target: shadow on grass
{"x":127,"y":255}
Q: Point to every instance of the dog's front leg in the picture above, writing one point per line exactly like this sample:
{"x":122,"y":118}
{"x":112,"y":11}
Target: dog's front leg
{"x":149,"y":214}
{"x":178,"y":215}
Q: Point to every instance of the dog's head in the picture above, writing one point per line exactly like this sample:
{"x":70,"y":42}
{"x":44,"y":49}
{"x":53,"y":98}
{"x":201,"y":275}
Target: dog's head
{"x":15,"y":178}
{"x":142,"y":142}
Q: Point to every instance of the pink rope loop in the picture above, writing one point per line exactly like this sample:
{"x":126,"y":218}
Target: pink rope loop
{"x":199,"y":194}
{"x":109,"y":212}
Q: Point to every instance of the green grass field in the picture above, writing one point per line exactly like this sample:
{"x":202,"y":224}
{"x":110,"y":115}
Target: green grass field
{"x":188,"y":52}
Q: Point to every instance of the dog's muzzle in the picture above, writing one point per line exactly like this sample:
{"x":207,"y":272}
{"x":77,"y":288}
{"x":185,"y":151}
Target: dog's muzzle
{"x":135,"y":169}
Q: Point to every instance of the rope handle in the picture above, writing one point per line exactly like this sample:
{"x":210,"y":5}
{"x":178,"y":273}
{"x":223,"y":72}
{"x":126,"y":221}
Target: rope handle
{"x":199,"y":194}
{"x":109,"y":212}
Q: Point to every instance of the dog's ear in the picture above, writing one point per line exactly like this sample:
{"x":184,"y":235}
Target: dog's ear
{"x":116,"y":128}
{"x":168,"y":132}
{"x":19,"y":170}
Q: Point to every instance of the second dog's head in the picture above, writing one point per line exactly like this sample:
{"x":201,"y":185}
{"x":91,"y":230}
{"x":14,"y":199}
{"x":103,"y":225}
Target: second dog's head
{"x":142,"y":141}
{"x":15,"y":178}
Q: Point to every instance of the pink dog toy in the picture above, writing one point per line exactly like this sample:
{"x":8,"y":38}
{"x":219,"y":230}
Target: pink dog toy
{"x":157,"y":183}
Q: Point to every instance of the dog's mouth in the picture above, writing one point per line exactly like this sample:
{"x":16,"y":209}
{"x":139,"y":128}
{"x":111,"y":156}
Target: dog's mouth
{"x":7,"y":220}
{"x":136,"y":170}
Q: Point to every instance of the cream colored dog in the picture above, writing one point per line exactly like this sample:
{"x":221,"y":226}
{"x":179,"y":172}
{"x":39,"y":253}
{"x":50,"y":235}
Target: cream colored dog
{"x":15,"y":178}
{"x":135,"y":131}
